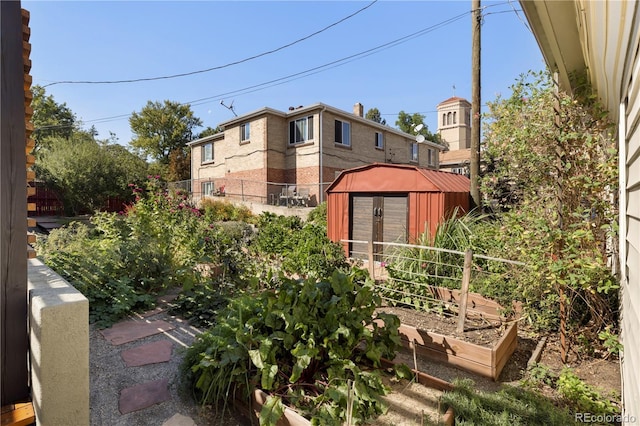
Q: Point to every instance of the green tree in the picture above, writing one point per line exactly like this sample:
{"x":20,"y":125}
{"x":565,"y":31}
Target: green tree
{"x":86,"y":173}
{"x":554,"y":185}
{"x":209,"y":131}
{"x":179,"y":165}
{"x":50,"y":119}
{"x":409,"y":122}
{"x":160,"y":128}
{"x":374,"y":115}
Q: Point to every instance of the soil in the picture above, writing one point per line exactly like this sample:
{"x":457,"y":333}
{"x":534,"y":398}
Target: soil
{"x":477,"y":330}
{"x":604,"y":374}
{"x":409,"y":404}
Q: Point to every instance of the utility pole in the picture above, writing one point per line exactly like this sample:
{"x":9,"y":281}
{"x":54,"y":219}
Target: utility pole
{"x":474,"y":166}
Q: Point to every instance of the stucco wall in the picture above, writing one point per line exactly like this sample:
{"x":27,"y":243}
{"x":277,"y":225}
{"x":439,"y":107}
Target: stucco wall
{"x":59,"y":340}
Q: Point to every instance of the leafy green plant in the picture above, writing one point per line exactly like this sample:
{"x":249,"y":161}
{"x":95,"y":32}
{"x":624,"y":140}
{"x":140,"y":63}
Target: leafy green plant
{"x":216,"y":210}
{"x":583,"y":397}
{"x":297,"y":247}
{"x":80,"y":257}
{"x":551,"y":188}
{"x":306,"y":343}
{"x":121,"y":260}
{"x":610,"y":341}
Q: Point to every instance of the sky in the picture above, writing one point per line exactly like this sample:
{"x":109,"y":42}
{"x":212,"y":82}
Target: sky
{"x":392,"y":55}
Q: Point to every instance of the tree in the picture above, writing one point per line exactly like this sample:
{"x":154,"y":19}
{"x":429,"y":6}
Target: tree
{"x":160,"y":128}
{"x":50,"y":119}
{"x":86,"y":173}
{"x":551,"y":176}
{"x":409,"y":122}
{"x":374,"y":115}
{"x":179,"y":165}
{"x":209,"y":131}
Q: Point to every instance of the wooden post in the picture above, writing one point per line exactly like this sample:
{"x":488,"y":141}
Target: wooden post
{"x":13,"y":207}
{"x":464,"y":291}
{"x":372,"y":266}
{"x":474,"y":164}
{"x":559,"y":244}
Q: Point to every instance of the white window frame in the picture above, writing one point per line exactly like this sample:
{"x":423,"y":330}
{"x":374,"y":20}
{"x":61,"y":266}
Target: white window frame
{"x":343,"y":133}
{"x":306,"y":132}
{"x":245,"y":132}
{"x":207,"y":158}
{"x":413,"y":152}
{"x":430,"y":157}
{"x":207,"y":188}
{"x":379,"y":140}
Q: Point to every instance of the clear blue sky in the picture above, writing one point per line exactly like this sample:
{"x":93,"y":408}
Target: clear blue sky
{"x":130,"y":40}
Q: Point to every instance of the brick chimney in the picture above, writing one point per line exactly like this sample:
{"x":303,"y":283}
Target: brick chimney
{"x":358,"y":109}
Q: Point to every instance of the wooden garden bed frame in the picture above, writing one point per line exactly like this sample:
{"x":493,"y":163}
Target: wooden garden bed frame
{"x":292,"y":418}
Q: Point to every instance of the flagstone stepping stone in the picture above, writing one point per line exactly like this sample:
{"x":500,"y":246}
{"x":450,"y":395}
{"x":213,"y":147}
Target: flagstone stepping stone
{"x":144,"y":395}
{"x":179,"y":420}
{"x":128,"y":331}
{"x":150,"y":353}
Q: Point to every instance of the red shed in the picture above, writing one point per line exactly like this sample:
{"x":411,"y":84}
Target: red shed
{"x":391,"y":202}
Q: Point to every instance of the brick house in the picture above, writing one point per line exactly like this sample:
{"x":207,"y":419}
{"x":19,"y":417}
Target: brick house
{"x":262,"y":154}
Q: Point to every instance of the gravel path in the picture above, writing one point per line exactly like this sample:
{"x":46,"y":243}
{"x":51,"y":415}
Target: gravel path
{"x":109,"y":376}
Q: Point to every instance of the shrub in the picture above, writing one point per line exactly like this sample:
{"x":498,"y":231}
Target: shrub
{"x":217,"y":211}
{"x":78,"y":254}
{"x":305,"y":343}
{"x":300,"y":248}
{"x":582,"y":397}
{"x":123,"y":259}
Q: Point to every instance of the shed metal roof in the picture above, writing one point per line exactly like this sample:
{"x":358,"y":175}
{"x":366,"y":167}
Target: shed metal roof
{"x":385,"y":177}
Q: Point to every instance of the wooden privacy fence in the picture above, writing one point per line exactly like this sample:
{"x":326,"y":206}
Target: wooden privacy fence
{"x":15,"y":162}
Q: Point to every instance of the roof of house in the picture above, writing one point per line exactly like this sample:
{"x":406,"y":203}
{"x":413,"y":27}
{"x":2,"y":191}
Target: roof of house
{"x":386,"y":177}
{"x":210,"y":138}
{"x":452,"y":100}
{"x":322,"y":107}
{"x":455,"y":157}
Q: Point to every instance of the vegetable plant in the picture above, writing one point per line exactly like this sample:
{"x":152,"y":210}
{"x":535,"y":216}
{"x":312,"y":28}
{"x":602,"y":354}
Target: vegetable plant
{"x":307,"y":344}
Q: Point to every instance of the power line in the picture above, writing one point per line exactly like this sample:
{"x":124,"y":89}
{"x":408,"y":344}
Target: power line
{"x":307,"y":72}
{"x":185,"y":74}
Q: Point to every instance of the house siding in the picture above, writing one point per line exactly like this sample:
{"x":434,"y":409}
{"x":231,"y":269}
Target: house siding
{"x":269,"y":158}
{"x":630,"y":252}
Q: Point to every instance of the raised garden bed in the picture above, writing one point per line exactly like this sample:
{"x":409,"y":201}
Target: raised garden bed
{"x":484,"y":348}
{"x":400,"y":417}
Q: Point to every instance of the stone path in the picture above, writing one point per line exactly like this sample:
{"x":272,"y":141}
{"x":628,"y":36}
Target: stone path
{"x":135,"y":378}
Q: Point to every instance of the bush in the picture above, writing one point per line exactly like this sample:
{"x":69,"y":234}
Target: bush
{"x":78,"y":254}
{"x":305,"y":343}
{"x":124,"y":259}
{"x":222,"y":211}
{"x":300,"y":248}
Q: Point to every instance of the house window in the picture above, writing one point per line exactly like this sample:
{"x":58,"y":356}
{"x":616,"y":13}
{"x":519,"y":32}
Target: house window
{"x":244,"y":132}
{"x":300,"y":130}
{"x":343,"y":133}
{"x":413,"y":151}
{"x":430,"y":159}
{"x":379,"y":140}
{"x":207,"y":152}
{"x":448,"y":118}
{"x":207,"y":189}
{"x":454,"y":117}
{"x":444,"y":119}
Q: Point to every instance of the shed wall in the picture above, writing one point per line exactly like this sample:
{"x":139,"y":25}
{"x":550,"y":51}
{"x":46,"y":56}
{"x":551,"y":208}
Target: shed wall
{"x":338,"y":215}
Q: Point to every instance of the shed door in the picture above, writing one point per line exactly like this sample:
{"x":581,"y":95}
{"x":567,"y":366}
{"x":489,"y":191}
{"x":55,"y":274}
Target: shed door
{"x":377,"y":218}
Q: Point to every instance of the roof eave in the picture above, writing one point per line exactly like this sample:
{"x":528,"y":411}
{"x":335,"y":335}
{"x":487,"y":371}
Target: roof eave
{"x":555,"y":27}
